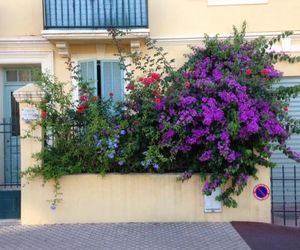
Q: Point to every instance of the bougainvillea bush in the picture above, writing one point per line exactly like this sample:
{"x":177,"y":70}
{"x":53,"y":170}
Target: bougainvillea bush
{"x":225,"y":114}
{"x":220,"y":115}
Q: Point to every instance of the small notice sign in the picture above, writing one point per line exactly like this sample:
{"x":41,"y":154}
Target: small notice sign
{"x":29,"y":114}
{"x":261,"y":192}
{"x":211,"y":205}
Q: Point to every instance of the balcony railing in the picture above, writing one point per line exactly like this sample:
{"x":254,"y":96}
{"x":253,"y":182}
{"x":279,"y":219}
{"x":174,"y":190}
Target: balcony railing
{"x":95,"y":14}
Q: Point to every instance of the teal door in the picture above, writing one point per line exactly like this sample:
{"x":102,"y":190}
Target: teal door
{"x":10,"y":194}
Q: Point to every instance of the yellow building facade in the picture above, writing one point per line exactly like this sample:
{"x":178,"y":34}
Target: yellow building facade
{"x":43,"y":34}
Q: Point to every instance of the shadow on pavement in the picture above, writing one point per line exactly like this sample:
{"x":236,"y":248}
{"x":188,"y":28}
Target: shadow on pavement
{"x":268,"y":236}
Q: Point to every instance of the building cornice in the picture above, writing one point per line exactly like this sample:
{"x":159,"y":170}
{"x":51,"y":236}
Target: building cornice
{"x":24,"y":42}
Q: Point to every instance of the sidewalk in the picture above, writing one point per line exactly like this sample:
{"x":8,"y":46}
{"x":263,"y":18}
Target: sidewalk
{"x":122,"y":236}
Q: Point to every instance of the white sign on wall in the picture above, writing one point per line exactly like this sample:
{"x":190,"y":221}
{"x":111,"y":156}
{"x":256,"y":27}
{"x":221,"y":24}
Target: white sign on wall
{"x":29,"y":114}
{"x":211,"y":205}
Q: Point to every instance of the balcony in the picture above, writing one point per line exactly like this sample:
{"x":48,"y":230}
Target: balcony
{"x":88,"y":19}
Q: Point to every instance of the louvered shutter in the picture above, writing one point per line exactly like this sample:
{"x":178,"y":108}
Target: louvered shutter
{"x":112,"y":80}
{"x":281,"y":160}
{"x":88,"y":71}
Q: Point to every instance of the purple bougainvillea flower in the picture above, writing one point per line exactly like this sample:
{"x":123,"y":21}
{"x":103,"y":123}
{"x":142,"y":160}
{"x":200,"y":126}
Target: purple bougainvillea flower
{"x":167,"y":137}
{"x":207,"y":155}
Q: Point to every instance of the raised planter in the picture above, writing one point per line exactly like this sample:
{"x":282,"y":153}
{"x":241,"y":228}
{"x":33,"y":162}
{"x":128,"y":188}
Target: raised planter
{"x":114,"y":198}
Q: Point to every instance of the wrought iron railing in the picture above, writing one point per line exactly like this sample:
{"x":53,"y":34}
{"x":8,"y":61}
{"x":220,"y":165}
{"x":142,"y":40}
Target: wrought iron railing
{"x":285,"y":187}
{"x":9,"y":154}
{"x":95,"y":14}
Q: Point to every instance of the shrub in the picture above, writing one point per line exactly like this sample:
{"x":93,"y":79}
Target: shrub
{"x":224,"y":115}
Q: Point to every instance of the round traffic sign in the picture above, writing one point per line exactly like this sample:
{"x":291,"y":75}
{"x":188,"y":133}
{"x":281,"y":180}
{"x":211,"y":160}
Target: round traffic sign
{"x":261,"y":192}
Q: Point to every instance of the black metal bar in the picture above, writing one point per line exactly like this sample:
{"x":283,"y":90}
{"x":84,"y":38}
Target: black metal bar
{"x":50,"y":18}
{"x":62,"y":12}
{"x":93,"y":14}
{"x":147,"y":14}
{"x":17,"y":159}
{"x":123,"y":12}
{"x":80,"y":15}
{"x":141,"y":11}
{"x":104,"y":11}
{"x":128,"y":2}
{"x":283,"y":185}
{"x":55,"y":4}
{"x":110,"y":13}
{"x":68,"y":11}
{"x":135,"y":22}
{"x":98,"y":11}
{"x":44,"y":17}
{"x":295,"y":193}
{"x":74,"y":13}
{"x":10,"y":151}
{"x":272,"y":198}
{"x":86,"y":14}
{"x":5,"y":149}
{"x":117,"y":13}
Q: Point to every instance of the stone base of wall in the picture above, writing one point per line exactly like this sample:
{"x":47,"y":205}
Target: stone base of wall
{"x":135,"y":198}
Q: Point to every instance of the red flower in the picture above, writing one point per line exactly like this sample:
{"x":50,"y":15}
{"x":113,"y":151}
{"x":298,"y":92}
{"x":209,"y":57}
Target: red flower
{"x":156,"y":93}
{"x":157,"y":100}
{"x":130,"y":86}
{"x":264,"y":72}
{"x":187,"y":84}
{"x":286,"y":109}
{"x":156,"y":76}
{"x":44,"y":114}
{"x":111,"y":94}
{"x":248,"y":72}
{"x":81,"y":109}
{"x":141,"y":79}
{"x":84,"y":98}
{"x":148,"y":80}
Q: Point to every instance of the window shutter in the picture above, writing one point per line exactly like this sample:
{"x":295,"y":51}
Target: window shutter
{"x":112,"y":80}
{"x":88,"y":70}
{"x":294,"y":142}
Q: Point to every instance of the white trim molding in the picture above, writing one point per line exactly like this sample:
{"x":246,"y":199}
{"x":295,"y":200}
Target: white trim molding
{"x":24,"y":42}
{"x":290,"y":44}
{"x":235,"y":2}
{"x":91,"y":34}
{"x":44,"y":58}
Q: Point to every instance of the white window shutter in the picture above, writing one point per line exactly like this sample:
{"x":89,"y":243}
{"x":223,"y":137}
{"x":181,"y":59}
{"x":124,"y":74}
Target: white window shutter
{"x":88,"y":71}
{"x":112,"y":80}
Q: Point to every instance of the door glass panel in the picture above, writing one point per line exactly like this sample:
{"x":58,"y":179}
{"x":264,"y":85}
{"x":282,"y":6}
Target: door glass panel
{"x":15,"y":116}
{"x":24,"y":76}
{"x":12,"y":76}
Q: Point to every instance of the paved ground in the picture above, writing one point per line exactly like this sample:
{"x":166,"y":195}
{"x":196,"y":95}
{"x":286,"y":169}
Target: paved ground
{"x":122,"y":236}
{"x":266,"y":236}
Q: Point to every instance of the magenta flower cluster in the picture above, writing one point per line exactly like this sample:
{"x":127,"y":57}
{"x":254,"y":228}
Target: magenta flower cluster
{"x":218,"y":119}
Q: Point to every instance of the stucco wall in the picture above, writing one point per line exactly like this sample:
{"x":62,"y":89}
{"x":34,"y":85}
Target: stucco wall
{"x":169,"y":17}
{"x":190,"y":17}
{"x":21,"y":18}
{"x":91,"y":198}
{"x":134,"y":198}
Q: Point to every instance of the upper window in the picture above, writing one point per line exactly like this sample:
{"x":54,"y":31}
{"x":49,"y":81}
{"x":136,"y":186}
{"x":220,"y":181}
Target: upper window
{"x":235,"y":2}
{"x":105,"y":77}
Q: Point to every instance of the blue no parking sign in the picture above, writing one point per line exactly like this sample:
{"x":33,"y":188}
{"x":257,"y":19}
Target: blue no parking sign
{"x":261,"y":192}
